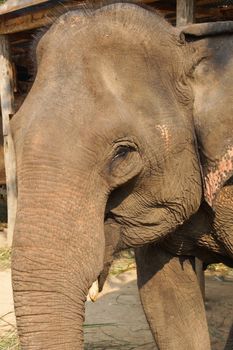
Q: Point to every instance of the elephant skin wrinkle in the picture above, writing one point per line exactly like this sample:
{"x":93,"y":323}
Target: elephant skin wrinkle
{"x":215,"y":179}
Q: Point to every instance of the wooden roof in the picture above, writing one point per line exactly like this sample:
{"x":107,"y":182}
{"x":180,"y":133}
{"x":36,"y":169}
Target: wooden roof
{"x":14,"y":5}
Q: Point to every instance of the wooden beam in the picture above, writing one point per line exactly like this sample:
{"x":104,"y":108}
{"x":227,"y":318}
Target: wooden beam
{"x":7,"y":99}
{"x":184,"y":12}
{"x":35,"y":18}
{"x":25,"y":22}
{"x":14,"y":5}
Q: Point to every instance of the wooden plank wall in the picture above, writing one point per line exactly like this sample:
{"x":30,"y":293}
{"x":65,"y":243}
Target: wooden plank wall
{"x":14,"y":5}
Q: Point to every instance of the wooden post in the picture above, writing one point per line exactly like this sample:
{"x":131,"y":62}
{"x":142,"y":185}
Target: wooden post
{"x":7,"y":108}
{"x":184,"y":12}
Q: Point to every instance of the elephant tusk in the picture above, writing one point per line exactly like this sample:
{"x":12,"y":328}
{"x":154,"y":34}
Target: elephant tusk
{"x":94,"y":291}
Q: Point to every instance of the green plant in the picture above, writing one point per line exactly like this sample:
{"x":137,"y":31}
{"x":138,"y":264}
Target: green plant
{"x":219,"y":268}
{"x":5,"y":258}
{"x":9,"y":341}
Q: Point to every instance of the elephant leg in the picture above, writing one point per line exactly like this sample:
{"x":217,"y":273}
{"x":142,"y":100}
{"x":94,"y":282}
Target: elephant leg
{"x":171,"y":299}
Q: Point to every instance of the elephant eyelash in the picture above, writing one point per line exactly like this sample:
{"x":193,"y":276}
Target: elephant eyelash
{"x":122,"y":151}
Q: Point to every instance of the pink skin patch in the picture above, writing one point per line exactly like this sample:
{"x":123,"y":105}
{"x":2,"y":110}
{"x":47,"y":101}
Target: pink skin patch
{"x":215,"y":179}
{"x":165,"y":134}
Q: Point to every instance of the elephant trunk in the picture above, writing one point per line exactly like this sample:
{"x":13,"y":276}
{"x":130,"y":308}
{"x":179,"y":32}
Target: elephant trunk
{"x":57,"y":255}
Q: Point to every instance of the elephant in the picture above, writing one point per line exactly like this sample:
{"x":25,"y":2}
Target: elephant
{"x":126,"y":134}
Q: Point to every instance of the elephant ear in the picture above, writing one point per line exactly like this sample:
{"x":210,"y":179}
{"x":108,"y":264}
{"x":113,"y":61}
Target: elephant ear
{"x":210,"y":47}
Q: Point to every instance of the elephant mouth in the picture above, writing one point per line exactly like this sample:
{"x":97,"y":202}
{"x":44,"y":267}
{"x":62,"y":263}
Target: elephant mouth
{"x":229,"y":182}
{"x":108,"y":215}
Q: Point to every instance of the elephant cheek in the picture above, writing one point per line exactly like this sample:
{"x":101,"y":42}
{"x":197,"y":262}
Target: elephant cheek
{"x":215,"y":179}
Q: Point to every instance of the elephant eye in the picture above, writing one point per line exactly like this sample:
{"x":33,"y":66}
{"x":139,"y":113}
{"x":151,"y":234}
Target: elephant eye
{"x":125,"y":163}
{"x":123,"y":151}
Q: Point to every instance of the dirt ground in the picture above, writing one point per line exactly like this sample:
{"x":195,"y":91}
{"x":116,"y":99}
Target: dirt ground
{"x":116,"y":320}
{"x":219,"y":307}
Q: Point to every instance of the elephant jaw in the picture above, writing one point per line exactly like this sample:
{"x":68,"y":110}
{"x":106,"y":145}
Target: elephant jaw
{"x":219,"y":195}
{"x":216,"y":177}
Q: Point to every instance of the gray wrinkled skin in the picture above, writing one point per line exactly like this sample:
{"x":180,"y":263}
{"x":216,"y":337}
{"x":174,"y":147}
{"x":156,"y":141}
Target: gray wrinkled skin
{"x":120,"y":121}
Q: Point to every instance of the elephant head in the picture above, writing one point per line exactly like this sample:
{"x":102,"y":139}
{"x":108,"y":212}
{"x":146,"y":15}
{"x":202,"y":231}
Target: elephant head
{"x":106,"y":136}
